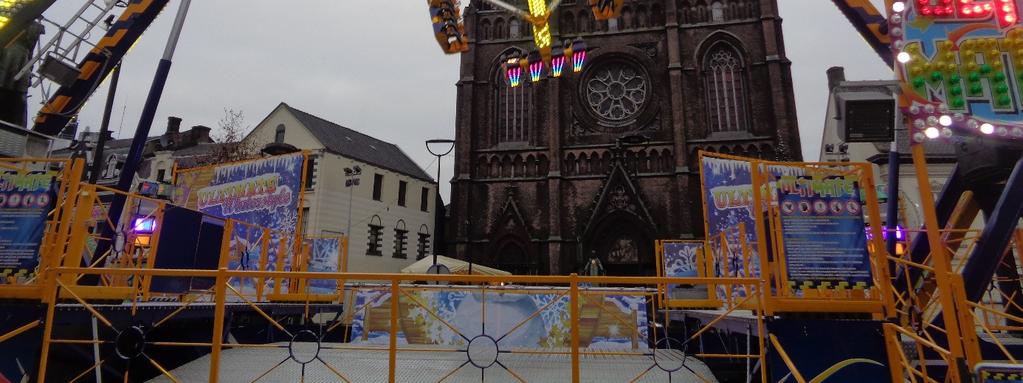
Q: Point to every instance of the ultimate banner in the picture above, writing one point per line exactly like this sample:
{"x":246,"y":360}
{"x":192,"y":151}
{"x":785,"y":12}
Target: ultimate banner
{"x":728,"y":202}
{"x":25,"y":201}
{"x":264,"y":192}
{"x":822,"y":232}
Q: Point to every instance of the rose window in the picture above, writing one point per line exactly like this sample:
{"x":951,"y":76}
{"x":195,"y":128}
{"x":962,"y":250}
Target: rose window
{"x":616,"y":92}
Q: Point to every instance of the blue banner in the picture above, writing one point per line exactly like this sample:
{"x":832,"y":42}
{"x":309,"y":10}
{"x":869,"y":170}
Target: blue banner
{"x":682,"y":259}
{"x":25,"y":201}
{"x":324,"y":257}
{"x":515,"y":319}
{"x":823,"y":232}
{"x":728,"y":202}
{"x":727,"y":187}
{"x":263,"y":192}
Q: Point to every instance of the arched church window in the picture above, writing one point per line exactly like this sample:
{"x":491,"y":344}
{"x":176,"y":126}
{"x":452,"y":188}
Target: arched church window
{"x":513,"y":29}
{"x":584,"y":20}
{"x":514,"y":105}
{"x":499,"y":29}
{"x":724,"y":79}
{"x":717,"y":12}
{"x":567,"y":22}
{"x":485,"y":30}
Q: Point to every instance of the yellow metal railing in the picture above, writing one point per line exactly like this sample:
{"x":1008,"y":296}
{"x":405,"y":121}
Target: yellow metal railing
{"x":586,"y":308}
{"x":125,"y":273}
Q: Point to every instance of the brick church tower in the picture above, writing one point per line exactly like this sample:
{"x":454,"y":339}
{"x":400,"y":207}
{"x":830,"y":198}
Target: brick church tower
{"x":602,"y":163}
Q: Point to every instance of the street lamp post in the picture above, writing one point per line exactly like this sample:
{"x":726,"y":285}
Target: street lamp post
{"x":439,"y":148}
{"x":351,"y":181}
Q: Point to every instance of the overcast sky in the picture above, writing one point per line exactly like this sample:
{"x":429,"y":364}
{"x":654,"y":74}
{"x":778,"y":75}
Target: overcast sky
{"x":376,"y":68}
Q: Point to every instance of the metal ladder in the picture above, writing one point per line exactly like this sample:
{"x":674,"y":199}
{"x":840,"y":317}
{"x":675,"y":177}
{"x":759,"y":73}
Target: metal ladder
{"x":66,"y":44}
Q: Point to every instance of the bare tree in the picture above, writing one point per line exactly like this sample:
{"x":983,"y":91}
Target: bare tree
{"x":229,"y":138}
{"x":232,"y":127}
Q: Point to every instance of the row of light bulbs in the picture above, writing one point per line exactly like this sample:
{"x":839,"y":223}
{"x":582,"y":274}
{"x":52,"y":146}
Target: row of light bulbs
{"x":534,"y":62}
{"x":934,"y":121}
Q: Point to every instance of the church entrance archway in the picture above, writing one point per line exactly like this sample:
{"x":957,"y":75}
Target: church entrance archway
{"x":623,"y":244}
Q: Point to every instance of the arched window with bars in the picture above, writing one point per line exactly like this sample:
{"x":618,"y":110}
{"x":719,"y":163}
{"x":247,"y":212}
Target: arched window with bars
{"x":724,"y":73}
{"x":512,"y":105}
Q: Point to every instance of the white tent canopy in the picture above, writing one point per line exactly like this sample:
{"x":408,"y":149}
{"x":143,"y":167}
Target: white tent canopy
{"x":456,"y":266}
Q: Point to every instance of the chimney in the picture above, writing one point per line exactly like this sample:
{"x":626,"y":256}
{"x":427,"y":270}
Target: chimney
{"x":173,"y":125}
{"x":200,"y":134}
{"x":836,"y":75}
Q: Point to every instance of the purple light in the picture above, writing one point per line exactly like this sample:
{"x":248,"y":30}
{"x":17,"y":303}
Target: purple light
{"x":144,"y":225}
{"x":900,"y":233}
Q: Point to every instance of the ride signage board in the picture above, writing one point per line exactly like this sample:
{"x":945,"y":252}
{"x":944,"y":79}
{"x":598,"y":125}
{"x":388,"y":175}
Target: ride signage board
{"x":683,"y":259}
{"x":822,"y":232}
{"x":324,"y":257}
{"x":265,"y":192}
{"x":960,"y":64}
{"x":25,"y":201}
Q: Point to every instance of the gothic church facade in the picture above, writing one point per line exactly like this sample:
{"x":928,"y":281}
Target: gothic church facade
{"x":602,"y":163}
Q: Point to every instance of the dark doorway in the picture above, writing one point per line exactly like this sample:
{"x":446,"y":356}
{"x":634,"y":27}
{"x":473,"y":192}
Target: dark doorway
{"x":513,"y":258}
{"x":624,"y":245}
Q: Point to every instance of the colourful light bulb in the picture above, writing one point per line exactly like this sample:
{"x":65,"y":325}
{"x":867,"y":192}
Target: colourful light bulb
{"x":514,"y":72}
{"x":578,"y":55}
{"x":557,"y":59}
{"x":557,"y":65}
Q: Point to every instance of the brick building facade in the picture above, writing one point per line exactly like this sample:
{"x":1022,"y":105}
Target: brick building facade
{"x":543,"y":177}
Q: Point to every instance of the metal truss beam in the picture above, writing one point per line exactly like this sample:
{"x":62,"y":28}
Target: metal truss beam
{"x":97,"y":64}
{"x":995,"y":237}
{"x":871,"y":23}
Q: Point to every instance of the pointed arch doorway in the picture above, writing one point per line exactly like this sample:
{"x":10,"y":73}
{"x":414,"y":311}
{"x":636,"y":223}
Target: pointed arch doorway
{"x":623,"y":243}
{"x":513,"y":257}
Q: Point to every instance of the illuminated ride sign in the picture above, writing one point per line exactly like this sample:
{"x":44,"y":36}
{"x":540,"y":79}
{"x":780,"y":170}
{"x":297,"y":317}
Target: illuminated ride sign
{"x":960,"y":65}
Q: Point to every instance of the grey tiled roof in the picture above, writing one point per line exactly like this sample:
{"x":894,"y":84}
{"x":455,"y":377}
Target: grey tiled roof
{"x":349,"y":143}
{"x":200,"y":149}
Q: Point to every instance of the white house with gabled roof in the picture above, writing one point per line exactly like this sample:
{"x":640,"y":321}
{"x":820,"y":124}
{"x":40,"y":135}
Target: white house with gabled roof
{"x":392,"y":205}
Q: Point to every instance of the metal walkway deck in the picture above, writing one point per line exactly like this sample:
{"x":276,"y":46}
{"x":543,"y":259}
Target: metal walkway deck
{"x":246,"y":365}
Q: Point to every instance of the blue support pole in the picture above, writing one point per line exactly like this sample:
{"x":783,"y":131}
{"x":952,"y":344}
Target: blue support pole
{"x":138,"y":143}
{"x":998,"y":230}
{"x":986,"y":257}
{"x":920,"y":249}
